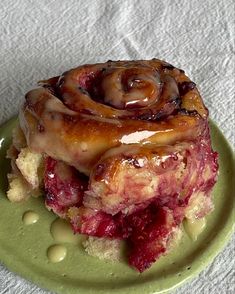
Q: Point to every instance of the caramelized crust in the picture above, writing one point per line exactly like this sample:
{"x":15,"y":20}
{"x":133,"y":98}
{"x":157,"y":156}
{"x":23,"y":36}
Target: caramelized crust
{"x":128,"y":178}
{"x":93,"y":108}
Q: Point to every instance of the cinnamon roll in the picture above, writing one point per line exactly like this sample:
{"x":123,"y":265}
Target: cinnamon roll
{"x":126,"y":151}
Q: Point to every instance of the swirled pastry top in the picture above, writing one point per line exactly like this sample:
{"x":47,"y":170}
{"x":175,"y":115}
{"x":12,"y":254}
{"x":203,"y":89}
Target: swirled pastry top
{"x":88,"y":110}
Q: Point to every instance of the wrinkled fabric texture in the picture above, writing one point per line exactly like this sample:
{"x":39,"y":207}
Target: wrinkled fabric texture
{"x":44,"y":38}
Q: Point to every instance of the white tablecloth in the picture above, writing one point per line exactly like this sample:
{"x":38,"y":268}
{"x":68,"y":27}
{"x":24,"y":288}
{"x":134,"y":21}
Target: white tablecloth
{"x":40,"y":39}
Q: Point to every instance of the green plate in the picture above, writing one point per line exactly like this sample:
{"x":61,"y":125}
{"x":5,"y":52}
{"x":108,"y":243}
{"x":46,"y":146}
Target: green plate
{"x":23,"y":248}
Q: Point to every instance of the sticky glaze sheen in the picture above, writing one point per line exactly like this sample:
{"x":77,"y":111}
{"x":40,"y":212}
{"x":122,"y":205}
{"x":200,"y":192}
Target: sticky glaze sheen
{"x":62,"y":232}
{"x":194,"y":227}
{"x":56,"y":253}
{"x":30,"y":217}
{"x":93,"y":108}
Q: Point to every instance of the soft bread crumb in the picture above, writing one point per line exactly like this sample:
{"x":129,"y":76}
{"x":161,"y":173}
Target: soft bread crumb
{"x":175,"y":239}
{"x":199,"y":205}
{"x":27,"y":171}
{"x":29,"y":163}
{"x":103,"y":248}
{"x":18,"y":188}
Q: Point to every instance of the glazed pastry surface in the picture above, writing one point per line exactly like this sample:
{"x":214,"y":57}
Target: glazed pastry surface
{"x":126,"y":151}
{"x":93,"y":108}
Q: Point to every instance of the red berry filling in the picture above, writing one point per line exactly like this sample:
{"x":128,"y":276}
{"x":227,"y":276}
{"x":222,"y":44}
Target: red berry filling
{"x":64,"y":186}
{"x":150,"y":227}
